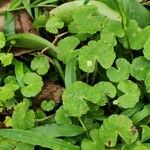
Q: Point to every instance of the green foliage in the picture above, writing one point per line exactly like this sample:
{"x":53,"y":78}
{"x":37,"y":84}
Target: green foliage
{"x":140,"y":67}
{"x":33,"y":84}
{"x":145,"y":133}
{"x":146,"y":49}
{"x":53,"y":24}
{"x":8,"y":90}
{"x":95,"y":143}
{"x":6,"y":58}
{"x":131,"y":92}
{"x":37,"y":138}
{"x":2,"y":40}
{"x":22,"y":117}
{"x":80,"y":92}
{"x":24,"y":146}
{"x":48,"y":106}
{"x":61,"y":116}
{"x":89,"y":23}
{"x":122,"y":73}
{"x":101,"y":100}
{"x":137,"y":36}
{"x":116,"y":126}
{"x":40,"y":64}
{"x":96,"y":51}
{"x":55,"y":130}
{"x":65,"y":50}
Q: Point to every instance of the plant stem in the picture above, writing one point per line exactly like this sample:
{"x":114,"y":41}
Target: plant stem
{"x":58,"y":66}
{"x":43,"y":119}
{"x":124,"y":26}
{"x":95,"y":72}
{"x":87,"y":77}
{"x":81,"y":122}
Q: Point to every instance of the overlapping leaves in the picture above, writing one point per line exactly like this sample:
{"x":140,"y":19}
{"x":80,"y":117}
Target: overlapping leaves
{"x":89,"y":23}
{"x":75,"y":96}
{"x":8,"y":90}
{"x":22,"y":117}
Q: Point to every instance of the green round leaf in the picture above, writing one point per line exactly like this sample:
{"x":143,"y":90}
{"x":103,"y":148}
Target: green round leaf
{"x":117,"y":125}
{"x":8,"y":90}
{"x":139,"y":68}
{"x":53,"y":24}
{"x":22,"y":117}
{"x":33,"y":83}
{"x":146,"y":49}
{"x":136,"y":36}
{"x":84,"y":20}
{"x":6,"y":58}
{"x":76,"y":95}
{"x":100,"y":51}
{"x":40,"y":64}
{"x":131,"y":94}
{"x":48,"y":105}
{"x":120,"y":74}
{"x":65,"y":48}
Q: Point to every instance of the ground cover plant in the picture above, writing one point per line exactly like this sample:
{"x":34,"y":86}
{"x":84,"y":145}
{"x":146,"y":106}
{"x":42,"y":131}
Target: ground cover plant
{"x":78,"y":79}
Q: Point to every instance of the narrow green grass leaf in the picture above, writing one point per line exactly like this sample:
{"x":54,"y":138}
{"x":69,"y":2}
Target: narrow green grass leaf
{"x":37,"y":138}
